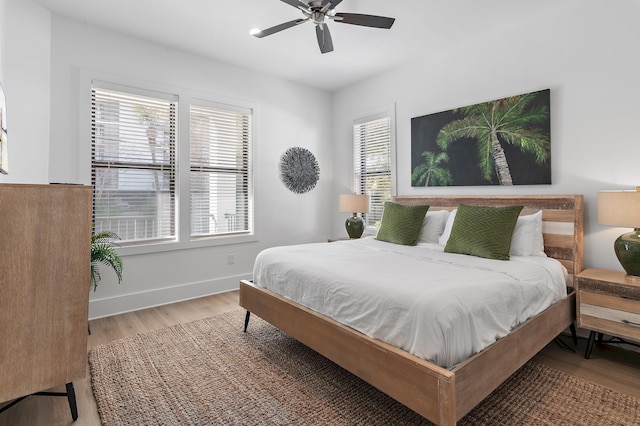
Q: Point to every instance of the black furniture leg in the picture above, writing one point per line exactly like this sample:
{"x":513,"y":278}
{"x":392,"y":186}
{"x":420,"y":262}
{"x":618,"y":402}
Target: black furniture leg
{"x":246,"y":321}
{"x":590,"y":343}
{"x":574,"y":334}
{"x":12,"y":403}
{"x":70,"y":394}
{"x":71,"y":397}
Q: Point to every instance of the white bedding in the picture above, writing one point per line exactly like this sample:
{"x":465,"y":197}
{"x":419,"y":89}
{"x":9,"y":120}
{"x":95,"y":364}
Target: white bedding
{"x":439,"y":306}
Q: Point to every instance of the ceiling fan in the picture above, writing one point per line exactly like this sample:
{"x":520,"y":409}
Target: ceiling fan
{"x":318,"y":11}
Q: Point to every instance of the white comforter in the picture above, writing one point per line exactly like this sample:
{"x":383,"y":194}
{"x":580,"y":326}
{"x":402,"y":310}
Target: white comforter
{"x":439,"y":306}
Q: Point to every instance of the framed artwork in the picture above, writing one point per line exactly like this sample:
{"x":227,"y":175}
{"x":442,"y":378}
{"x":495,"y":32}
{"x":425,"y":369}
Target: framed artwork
{"x":4,"y":168}
{"x":502,"y":142}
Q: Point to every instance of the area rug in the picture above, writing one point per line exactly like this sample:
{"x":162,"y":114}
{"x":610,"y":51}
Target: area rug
{"x":208,"y":372}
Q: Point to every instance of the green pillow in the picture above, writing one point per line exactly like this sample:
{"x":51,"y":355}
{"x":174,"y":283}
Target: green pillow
{"x":483,"y":231}
{"x":401,"y":224}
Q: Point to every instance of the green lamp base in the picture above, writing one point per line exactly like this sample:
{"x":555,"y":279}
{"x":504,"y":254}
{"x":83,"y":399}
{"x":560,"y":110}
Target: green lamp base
{"x":627,"y":248}
{"x":355,"y":226}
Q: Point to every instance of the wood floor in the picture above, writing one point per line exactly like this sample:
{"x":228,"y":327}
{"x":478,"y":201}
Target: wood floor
{"x":609,"y":365}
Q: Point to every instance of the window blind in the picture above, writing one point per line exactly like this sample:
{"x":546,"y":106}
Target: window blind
{"x":133,"y":167}
{"x":220,"y":169}
{"x":372,"y":164}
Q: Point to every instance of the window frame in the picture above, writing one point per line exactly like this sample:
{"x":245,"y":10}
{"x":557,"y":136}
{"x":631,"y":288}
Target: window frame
{"x":183,"y":241}
{"x":170,"y":102}
{"x":386,"y":111}
{"x":245,"y":171}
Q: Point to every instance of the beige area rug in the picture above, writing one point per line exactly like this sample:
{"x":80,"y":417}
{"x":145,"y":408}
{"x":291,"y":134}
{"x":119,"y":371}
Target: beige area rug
{"x":208,"y":372}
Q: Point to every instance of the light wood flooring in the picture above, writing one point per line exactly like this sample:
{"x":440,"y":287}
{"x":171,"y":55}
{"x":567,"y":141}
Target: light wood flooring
{"x":609,"y":365}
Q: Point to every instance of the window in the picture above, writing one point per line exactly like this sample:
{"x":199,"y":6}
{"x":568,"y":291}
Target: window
{"x":156,"y":180}
{"x":219,"y":169}
{"x":133,"y":169}
{"x":372,"y":163}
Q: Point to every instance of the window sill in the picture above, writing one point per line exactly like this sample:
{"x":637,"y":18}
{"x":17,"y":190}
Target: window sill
{"x":165,"y":246}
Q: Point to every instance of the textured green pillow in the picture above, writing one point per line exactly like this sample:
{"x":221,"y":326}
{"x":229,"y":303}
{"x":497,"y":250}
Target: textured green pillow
{"x":401,"y":224}
{"x":483,"y":231}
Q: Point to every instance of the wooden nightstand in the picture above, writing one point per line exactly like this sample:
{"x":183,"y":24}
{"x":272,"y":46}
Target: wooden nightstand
{"x":608,"y":302}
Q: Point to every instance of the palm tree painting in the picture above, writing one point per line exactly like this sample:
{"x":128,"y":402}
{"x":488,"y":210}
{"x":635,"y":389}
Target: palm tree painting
{"x":430,"y":172}
{"x":501,"y":142}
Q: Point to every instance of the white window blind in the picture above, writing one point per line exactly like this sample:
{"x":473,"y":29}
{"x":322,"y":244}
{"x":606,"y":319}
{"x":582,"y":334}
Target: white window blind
{"x":220,"y":169}
{"x":133,"y":167}
{"x":372,"y":164}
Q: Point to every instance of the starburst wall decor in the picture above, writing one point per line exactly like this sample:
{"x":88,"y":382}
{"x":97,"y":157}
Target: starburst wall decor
{"x":299,"y":170}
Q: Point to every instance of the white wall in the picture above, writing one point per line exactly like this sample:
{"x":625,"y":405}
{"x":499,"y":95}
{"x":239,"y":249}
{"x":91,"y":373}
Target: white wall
{"x":585,"y":52}
{"x":26,"y":64}
{"x":3,"y":31}
{"x":44,"y":73}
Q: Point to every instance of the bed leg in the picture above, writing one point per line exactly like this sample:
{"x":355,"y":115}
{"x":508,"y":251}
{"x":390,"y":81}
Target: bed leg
{"x":592,"y":336}
{"x":574,"y":335}
{"x":246,"y":321}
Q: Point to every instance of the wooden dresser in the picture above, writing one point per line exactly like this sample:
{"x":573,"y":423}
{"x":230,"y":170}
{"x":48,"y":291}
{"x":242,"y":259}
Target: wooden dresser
{"x":608,"y":302}
{"x":45,"y":253}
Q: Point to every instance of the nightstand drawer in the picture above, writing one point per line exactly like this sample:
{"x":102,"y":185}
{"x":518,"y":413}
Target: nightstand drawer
{"x":614,"y":289}
{"x":626,"y":331}
{"x":615,"y":315}
{"x":620,"y":302}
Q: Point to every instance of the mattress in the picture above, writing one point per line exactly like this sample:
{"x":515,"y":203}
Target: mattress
{"x":439,"y":306}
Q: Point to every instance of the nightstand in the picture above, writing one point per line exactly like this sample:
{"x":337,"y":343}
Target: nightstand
{"x":608,"y":302}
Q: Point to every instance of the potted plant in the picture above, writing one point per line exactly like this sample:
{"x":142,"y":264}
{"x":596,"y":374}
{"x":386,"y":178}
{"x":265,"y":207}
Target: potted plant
{"x":103,"y":251}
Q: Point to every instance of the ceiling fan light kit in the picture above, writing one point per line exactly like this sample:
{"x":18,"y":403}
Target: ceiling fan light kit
{"x":318,"y":11}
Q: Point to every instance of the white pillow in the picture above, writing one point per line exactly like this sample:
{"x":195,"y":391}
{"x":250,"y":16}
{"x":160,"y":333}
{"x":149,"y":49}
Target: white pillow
{"x":433,"y":226}
{"x":527,"y":237}
{"x":447,"y":228}
{"x":538,"y":239}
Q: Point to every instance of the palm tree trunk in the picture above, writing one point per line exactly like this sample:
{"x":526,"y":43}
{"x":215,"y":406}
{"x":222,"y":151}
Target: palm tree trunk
{"x":500,"y":161}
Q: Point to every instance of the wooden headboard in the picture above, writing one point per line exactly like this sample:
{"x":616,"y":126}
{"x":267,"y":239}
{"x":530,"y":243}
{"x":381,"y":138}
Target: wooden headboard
{"x":562,"y":216}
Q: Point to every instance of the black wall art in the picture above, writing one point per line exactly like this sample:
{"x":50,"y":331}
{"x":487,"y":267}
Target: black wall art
{"x":501,"y":142}
{"x":299,"y":170}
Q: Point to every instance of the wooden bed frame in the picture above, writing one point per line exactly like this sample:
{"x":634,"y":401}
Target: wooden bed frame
{"x":440,"y":395}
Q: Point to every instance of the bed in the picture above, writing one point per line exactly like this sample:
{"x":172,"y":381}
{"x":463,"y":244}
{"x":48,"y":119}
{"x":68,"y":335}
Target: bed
{"x":442,"y":395}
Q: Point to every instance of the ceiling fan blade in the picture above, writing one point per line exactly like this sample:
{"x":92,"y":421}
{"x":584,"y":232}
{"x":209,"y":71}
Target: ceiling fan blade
{"x":333,"y":5}
{"x":297,"y":4}
{"x":364,"y":20}
{"x":278,"y":28}
{"x":324,"y":38}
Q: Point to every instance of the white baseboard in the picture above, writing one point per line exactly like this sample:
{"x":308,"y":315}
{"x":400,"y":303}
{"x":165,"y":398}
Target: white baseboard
{"x":109,"y":306}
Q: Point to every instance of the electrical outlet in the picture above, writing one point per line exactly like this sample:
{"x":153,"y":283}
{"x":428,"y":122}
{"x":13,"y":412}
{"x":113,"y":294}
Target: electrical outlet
{"x":231,"y":258}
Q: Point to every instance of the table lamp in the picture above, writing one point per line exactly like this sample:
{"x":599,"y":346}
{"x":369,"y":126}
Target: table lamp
{"x":354,"y":203}
{"x":622,"y":208}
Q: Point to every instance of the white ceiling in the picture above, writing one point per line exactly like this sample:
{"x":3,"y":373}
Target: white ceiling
{"x":220,"y":30}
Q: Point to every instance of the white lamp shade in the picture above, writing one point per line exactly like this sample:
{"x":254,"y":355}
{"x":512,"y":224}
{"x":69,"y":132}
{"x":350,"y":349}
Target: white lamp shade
{"x":354,"y":203}
{"x":619,"y":208}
